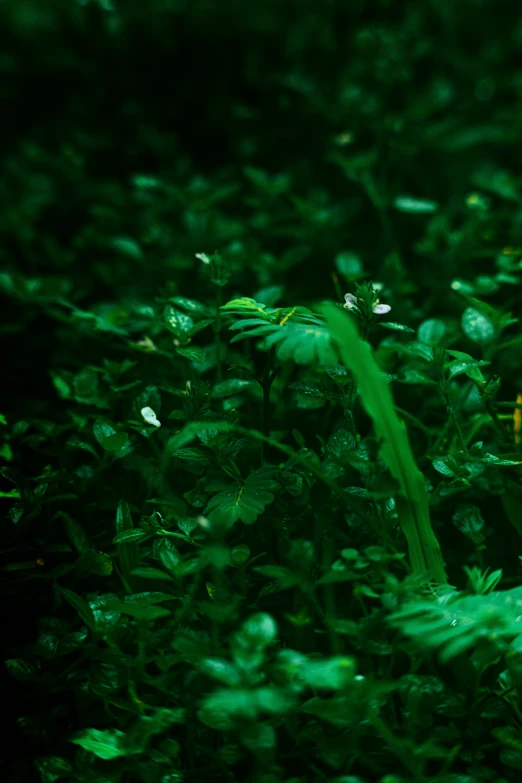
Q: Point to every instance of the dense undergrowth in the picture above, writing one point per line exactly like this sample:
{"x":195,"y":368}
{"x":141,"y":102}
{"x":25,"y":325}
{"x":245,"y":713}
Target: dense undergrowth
{"x":255,"y":529}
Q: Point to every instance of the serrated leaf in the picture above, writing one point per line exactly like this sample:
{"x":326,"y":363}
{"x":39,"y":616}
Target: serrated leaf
{"x":455,"y":626}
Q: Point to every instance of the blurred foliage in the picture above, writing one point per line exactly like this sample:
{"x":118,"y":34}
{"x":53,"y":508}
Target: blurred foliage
{"x":209,"y":481}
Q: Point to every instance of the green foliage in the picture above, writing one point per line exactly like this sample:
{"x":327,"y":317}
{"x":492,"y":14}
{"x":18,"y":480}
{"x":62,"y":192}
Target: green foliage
{"x":248,"y":535}
{"x":241,"y":499}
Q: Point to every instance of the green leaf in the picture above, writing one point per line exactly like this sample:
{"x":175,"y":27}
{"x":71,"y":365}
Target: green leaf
{"x":102,"y":431}
{"x":512,"y":505}
{"x":431,"y":331}
{"x":150,"y":573}
{"x":177,"y":322}
{"x":395,"y":327}
{"x":456,"y":625}
{"x":127,"y":247}
{"x":75,"y":532}
{"x":191,"y":455}
{"x":312,"y":389}
{"x":144,"y":612}
{"x":168,"y":554}
{"x":52,"y":768}
{"x":284,"y":576}
{"x":468,"y":519}
{"x":128,"y":551}
{"x":230,"y":386}
{"x":467,"y":368}
{"x":477,"y":327}
{"x":93,"y":563}
{"x":260,"y":629}
{"x":413,"y":508}
{"x":417,"y":206}
{"x":242,"y":500}
{"x":244,"y":305}
{"x":299,"y":336}
{"x":74,"y":443}
{"x":191,"y":305}
{"x":115,"y":442}
{"x":20,"y":669}
{"x":129,"y":535}
{"x":349,"y":264}
{"x":193,"y":353}
{"x":11,"y":493}
{"x":106,"y":745}
{"x":187,"y":434}
{"x":81,"y":606}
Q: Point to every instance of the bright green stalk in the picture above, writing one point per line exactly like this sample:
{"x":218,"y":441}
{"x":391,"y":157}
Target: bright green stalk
{"x":412,"y":505}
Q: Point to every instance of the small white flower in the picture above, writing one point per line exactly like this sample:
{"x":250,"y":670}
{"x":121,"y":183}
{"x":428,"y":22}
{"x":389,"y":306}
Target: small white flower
{"x":378,"y":308}
{"x":203,"y":257}
{"x":350,"y":300}
{"x":150,"y":417}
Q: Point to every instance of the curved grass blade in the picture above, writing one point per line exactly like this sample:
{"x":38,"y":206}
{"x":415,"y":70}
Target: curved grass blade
{"x":412,"y":506}
{"x":128,"y":551}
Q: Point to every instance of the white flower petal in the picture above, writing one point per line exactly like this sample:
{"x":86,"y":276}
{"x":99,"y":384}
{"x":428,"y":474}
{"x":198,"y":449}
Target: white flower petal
{"x":350,"y":300}
{"x":203,"y":257}
{"x":381,"y":309}
{"x":150,"y":417}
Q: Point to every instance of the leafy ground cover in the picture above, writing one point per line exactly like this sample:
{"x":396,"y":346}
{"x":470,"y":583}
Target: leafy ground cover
{"x":261,"y":412}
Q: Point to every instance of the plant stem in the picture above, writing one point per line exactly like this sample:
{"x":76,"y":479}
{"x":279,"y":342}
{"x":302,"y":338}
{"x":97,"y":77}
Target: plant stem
{"x":266,"y":384}
{"x":497,"y":422}
{"x":217,"y":332}
{"x":453,"y":416}
{"x":397,"y":746}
